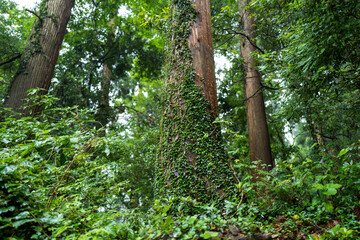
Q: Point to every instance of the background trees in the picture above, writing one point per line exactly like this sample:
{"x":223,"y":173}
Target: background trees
{"x":259,"y":141}
{"x":39,"y":58}
{"x":12,"y":41}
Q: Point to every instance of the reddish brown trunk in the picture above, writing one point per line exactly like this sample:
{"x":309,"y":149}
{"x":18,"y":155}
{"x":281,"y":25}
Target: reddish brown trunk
{"x":42,"y":51}
{"x":201,"y":45}
{"x":259,"y":141}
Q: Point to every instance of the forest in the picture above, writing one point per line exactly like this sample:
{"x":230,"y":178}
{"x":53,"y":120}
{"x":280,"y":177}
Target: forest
{"x":180,"y":119}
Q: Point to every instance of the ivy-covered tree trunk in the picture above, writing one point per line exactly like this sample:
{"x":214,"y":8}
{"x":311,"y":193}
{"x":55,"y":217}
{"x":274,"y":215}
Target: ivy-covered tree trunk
{"x":259,"y":141}
{"x":193,"y":161}
{"x":38,"y":61}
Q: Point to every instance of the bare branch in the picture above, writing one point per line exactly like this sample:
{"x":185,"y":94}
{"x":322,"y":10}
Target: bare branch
{"x":231,"y":31}
{"x":28,"y":10}
{"x":11,"y":59}
{"x":95,"y":3}
{"x":260,"y":89}
{"x":227,"y":40}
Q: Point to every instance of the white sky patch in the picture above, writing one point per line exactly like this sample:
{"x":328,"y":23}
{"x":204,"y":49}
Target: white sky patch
{"x":26,"y":3}
{"x":221,"y":62}
{"x":289,"y":135}
{"x":124,"y":12}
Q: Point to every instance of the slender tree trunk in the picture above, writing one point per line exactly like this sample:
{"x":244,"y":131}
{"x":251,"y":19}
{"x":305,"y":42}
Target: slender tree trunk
{"x":193,"y":161}
{"x":259,"y":141}
{"x":103,"y":112}
{"x":38,"y":62}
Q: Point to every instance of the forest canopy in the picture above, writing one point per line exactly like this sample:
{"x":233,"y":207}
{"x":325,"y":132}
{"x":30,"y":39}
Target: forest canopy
{"x":118,"y":120}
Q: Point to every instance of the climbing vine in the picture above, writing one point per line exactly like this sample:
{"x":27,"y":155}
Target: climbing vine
{"x":192,"y":157}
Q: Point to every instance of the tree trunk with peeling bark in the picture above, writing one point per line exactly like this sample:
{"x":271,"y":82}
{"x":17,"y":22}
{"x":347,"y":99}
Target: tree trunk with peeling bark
{"x":193,"y":161}
{"x":259,"y":141}
{"x":42,"y":50}
{"x":201,"y":45}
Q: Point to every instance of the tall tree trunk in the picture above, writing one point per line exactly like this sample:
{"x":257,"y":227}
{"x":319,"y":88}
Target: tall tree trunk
{"x":102,"y":115}
{"x":38,"y":62}
{"x":259,"y":141}
{"x":103,"y":112}
{"x":201,"y":45}
{"x":193,"y":161}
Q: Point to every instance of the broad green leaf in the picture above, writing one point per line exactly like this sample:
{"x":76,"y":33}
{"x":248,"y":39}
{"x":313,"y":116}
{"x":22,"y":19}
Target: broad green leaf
{"x":318,"y":186}
{"x":7,"y":209}
{"x":9,"y":169}
{"x":22,"y":222}
{"x":332,"y":185}
{"x":330,"y":191}
{"x":22,"y":215}
{"x":343,"y":152}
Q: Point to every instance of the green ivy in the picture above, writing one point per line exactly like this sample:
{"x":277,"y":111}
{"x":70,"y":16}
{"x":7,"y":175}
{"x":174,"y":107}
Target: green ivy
{"x":192,"y":157}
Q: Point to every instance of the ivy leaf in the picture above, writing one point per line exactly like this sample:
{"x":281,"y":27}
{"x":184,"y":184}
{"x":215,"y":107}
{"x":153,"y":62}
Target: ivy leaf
{"x":208,"y":235}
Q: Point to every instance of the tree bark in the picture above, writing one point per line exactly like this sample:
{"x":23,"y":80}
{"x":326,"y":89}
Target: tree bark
{"x":259,"y":141}
{"x":201,"y":45}
{"x":42,"y":50}
{"x":193,"y":161}
{"x":103,"y":111}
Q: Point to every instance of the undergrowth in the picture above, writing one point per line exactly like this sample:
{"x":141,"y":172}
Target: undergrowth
{"x":60,"y":178}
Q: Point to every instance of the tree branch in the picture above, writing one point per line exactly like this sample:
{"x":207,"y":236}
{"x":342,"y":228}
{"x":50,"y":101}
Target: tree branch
{"x":231,"y":31}
{"x":270,"y":88}
{"x":227,"y":40}
{"x":254,"y":94}
{"x":11,"y":59}
{"x":258,"y":90}
{"x":95,"y":3}
{"x":251,"y":42}
{"x":28,"y":10}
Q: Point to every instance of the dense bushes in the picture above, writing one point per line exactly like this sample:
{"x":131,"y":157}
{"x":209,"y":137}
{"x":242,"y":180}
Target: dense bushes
{"x":61,"y":178}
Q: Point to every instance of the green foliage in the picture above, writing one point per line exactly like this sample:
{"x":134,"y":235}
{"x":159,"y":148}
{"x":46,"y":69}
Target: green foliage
{"x":15,"y":27}
{"x":133,"y":56}
{"x":59,"y":178}
{"x":315,"y":62}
